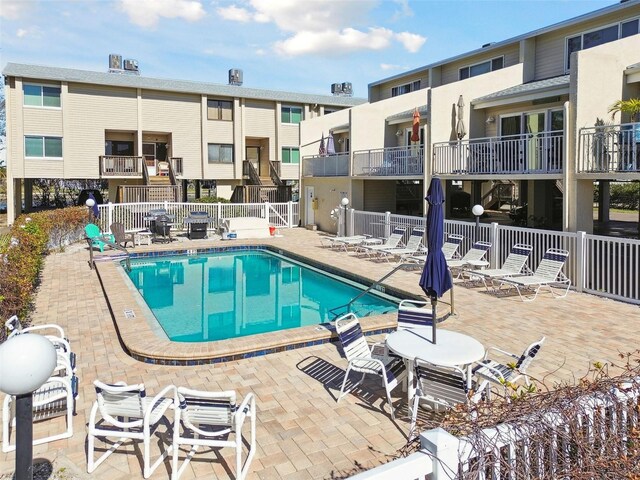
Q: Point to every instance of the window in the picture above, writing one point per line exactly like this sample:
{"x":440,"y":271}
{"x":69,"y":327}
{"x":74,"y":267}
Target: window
{"x":219,"y":110}
{"x":601,"y":36}
{"x":42,"y":147}
{"x":41,"y":96}
{"x":220,"y":153}
{"x":406,"y":88}
{"x":291,"y":114}
{"x":480,"y":68}
{"x":290,"y":155}
{"x":118,"y":148}
{"x":328,"y":110}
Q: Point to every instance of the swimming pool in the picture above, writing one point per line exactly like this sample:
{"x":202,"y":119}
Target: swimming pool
{"x":222,"y":295}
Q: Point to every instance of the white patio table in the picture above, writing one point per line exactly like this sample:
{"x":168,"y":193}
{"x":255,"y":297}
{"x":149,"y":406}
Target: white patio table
{"x":452,"y":349}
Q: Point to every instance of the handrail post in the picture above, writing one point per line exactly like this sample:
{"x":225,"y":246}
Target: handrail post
{"x":350,"y":221}
{"x":109,"y":215}
{"x":581,"y":259}
{"x":290,"y":214}
{"x":443,"y":448}
{"x":387,"y":224}
{"x":266,"y":211}
{"x":494,"y":240}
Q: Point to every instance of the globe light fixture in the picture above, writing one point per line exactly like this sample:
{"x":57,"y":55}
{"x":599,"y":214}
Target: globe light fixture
{"x":26,"y":362}
{"x":477,"y":211}
{"x":344,"y":202}
{"x":90,"y":202}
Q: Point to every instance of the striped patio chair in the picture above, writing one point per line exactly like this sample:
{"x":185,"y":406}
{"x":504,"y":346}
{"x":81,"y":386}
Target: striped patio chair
{"x":414,"y":244}
{"x":514,"y":264}
{"x":473,"y":258}
{"x":361,"y":360}
{"x":414,"y":314}
{"x":394,"y":240}
{"x":548,"y":274}
{"x":450,"y":249}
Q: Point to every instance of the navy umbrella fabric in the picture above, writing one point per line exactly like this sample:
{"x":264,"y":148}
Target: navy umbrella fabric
{"x":435,"y":279}
{"x":94,"y":208}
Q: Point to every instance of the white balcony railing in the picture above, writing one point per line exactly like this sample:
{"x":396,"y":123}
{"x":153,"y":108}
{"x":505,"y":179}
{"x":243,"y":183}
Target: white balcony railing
{"x":609,"y":148}
{"x":389,"y":162}
{"x":120,"y":166}
{"x":326,"y":165}
{"x":541,"y":152}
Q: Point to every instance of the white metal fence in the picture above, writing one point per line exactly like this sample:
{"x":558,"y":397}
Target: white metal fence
{"x":600,"y":265}
{"x":132,"y":215}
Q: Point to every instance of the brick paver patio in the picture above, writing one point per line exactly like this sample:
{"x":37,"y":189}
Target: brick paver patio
{"x":302,"y":432}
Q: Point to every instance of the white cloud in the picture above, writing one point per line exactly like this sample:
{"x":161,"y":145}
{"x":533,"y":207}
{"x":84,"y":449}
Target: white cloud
{"x":147,"y":13}
{"x":411,"y":41}
{"x":389,"y":66}
{"x":22,"y":32}
{"x":332,"y":41}
{"x":12,"y":9}
{"x":233,"y":13}
{"x":404,"y":10}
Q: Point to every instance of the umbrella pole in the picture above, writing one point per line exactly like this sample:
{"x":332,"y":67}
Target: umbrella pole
{"x":434,"y":303}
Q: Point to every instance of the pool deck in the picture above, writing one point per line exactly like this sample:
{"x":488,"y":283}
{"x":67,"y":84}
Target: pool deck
{"x":302,"y":432}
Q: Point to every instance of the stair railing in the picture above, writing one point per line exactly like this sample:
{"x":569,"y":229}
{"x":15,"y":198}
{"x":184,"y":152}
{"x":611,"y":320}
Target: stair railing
{"x":249,"y":170}
{"x":274,"y":173}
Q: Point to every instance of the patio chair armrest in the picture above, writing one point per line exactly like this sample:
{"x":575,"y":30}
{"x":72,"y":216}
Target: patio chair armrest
{"x":503,"y":352}
{"x":361,"y":362}
{"x":48,"y":326}
{"x":246,"y":409}
{"x":494,"y":371}
{"x":163,"y":394}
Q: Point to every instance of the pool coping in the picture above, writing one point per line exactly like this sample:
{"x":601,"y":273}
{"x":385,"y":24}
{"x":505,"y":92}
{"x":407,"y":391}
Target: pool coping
{"x":142,"y":343}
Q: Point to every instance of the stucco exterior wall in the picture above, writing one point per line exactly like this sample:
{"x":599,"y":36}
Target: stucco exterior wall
{"x":328,"y":192}
{"x":311,"y":130}
{"x":450,"y":71}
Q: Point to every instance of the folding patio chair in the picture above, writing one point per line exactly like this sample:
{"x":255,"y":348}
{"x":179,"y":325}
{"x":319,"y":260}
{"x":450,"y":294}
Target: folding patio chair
{"x":361,"y":360}
{"x":514,"y":264}
{"x":124,"y":411}
{"x":548,"y":274}
{"x":209,"y":419}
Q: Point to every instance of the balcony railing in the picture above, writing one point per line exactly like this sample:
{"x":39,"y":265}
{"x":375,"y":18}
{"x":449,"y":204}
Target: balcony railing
{"x":389,"y":162}
{"x":177,"y":165}
{"x":326,"y":165}
{"x":609,"y":148}
{"x":120,"y":166}
{"x":541,"y":152}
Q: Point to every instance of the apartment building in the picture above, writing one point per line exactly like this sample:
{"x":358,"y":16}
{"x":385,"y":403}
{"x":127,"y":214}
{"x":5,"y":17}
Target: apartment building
{"x":515,"y":118}
{"x":149,"y":136}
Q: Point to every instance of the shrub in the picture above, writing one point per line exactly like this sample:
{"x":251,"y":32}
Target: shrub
{"x":30,"y":238}
{"x":211,"y":200}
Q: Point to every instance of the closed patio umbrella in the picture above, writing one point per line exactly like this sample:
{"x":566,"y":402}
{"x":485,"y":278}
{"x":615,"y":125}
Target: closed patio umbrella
{"x":435,"y":279}
{"x":461,"y":130}
{"x":415,"y":128}
{"x":331,"y":148}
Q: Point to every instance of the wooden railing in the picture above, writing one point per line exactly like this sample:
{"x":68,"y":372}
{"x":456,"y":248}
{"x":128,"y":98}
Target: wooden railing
{"x":120,"y":166}
{"x":542,"y":152}
{"x":248,"y":170}
{"x":609,"y":148}
{"x":177,"y":165}
{"x":392,"y":161}
{"x":149,"y":193}
{"x":326,"y":165}
{"x":274,"y":172}
{"x":261,"y":193}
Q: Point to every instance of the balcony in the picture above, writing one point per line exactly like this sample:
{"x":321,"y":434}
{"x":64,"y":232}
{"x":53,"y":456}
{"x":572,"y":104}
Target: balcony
{"x":326,"y":165}
{"x":389,"y":162}
{"x":539,"y":153}
{"x":120,"y":166}
{"x":609,"y":149}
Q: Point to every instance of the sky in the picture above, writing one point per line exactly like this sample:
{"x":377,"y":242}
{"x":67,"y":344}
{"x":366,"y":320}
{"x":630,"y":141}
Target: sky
{"x":291,"y":45}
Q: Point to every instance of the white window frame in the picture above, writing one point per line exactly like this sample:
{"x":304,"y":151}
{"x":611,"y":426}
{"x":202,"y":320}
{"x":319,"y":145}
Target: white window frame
{"x":233,"y":154}
{"x":43,"y":135}
{"x":411,"y":87}
{"x":521,"y":114}
{"x":292,"y":106}
{"x":290,"y":147}
{"x":581,"y":34}
{"x":39,"y":84}
{"x":489,"y":61}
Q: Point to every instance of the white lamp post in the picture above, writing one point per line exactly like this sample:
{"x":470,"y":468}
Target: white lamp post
{"x":90,"y":202}
{"x":26,"y":362}
{"x":344,"y":202}
{"x":477,"y":210}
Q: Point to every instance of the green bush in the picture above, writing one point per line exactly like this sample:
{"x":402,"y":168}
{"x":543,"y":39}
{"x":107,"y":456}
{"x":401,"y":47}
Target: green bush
{"x":21,"y":262}
{"x":625,"y":196}
{"x":211,"y":200}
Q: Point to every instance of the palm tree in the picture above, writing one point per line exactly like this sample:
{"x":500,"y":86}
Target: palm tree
{"x":631,"y":107}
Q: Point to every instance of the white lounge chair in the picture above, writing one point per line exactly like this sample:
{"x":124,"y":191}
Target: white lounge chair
{"x":548,"y":274}
{"x":474,"y":257}
{"x":391,"y":370}
{"x":514,"y":264}
{"x":449,"y":249}
{"x":501,"y":373}
{"x":414,"y":244}
{"x":207,"y":419}
{"x":124,"y":411}
{"x":333,"y":242}
{"x":393,"y":241}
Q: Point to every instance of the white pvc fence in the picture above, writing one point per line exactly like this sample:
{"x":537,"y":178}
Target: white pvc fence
{"x":131,"y":215}
{"x":605,"y":266}
{"x":511,"y":451}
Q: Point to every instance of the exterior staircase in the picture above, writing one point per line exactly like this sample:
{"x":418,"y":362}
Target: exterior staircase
{"x":260,"y":189}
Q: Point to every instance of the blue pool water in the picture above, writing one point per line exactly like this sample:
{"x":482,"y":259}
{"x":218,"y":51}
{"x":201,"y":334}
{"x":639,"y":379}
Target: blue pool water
{"x":233,"y":294}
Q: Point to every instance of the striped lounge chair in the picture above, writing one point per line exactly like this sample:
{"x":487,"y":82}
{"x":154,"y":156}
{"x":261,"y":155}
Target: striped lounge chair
{"x":514,"y":264}
{"x":473,"y":258}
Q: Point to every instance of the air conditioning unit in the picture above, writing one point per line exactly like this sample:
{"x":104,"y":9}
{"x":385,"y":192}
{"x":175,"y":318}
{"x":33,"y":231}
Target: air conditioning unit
{"x":115,"y":62}
{"x":235,"y":76}
{"x":347,"y":89}
{"x":131,"y":65}
{"x":336,"y":88}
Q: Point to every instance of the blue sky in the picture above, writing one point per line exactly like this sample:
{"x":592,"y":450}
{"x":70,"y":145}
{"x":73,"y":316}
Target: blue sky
{"x":296,"y":45}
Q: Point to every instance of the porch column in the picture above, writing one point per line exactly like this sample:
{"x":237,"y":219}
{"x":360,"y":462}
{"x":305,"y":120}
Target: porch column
{"x":446,"y":185}
{"x":580,"y":202}
{"x":604,"y":201}
{"x":14,"y":199}
{"x":185,"y":186}
{"x":28,"y":194}
{"x":476,"y":192}
{"x":197,"y":185}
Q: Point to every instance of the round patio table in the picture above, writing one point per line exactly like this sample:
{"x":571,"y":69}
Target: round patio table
{"x":452,"y":349}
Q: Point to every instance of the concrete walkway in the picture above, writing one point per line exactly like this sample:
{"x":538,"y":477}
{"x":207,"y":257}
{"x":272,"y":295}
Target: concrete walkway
{"x":302,"y":432}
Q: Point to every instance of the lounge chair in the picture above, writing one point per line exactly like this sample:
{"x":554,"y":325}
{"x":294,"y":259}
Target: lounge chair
{"x":344,"y":242}
{"x":501,"y":373}
{"x":473,"y":258}
{"x":449,"y":249}
{"x":208,"y":419}
{"x":361,"y":360}
{"x":443,"y":386}
{"x":392,"y":242}
{"x":96,"y":238}
{"x":121,"y":237}
{"x":414,"y":244}
{"x":124,"y":411}
{"x":548,"y":274}
{"x":514,"y":264}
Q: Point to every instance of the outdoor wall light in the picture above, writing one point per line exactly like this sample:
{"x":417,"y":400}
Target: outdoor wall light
{"x":491,"y":119}
{"x":477,"y":211}
{"x":26,"y":362}
{"x":90,"y":202}
{"x":399,"y":133}
{"x":344,"y":202}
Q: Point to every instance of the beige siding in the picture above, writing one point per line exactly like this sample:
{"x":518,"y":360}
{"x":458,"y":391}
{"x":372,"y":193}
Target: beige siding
{"x":380,"y":196}
{"x":260,"y":118}
{"x":220,"y":170}
{"x":289,"y":136}
{"x":178,"y":115}
{"x":43,"y":168}
{"x":43,"y":121}
{"x":550,"y":48}
{"x":290,"y":171}
{"x":450,"y":71}
{"x":89,"y":110}
{"x":14,"y":129}
{"x":384,"y":89}
{"x":219,"y":131}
